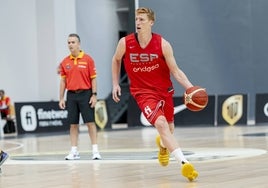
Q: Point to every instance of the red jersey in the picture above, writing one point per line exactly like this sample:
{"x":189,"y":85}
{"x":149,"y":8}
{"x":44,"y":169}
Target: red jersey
{"x":78,"y":71}
{"x":4,"y":105}
{"x":146,"y":67}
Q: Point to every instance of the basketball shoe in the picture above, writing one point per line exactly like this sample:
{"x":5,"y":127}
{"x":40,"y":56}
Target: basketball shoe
{"x":188,"y":171}
{"x":163,"y":154}
{"x":96,"y":156}
{"x":3,"y":157}
{"x":72,"y":156}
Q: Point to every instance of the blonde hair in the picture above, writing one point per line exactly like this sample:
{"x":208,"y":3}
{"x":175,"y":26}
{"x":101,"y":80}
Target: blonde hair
{"x":149,"y":12}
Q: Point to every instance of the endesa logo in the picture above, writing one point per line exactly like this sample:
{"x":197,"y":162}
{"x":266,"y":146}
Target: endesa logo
{"x":146,"y":69}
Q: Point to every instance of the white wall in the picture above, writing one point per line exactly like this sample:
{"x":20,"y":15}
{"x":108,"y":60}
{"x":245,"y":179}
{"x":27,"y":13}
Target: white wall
{"x":98,"y":24}
{"x":34,"y":41}
{"x":55,"y":20}
{"x":33,"y":36}
{"x":18,"y":59}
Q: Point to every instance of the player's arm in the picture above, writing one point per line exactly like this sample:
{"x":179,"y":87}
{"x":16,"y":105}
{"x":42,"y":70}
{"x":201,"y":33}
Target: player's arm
{"x":116,"y":67}
{"x":93,"y":98}
{"x":173,"y":67}
{"x":62,"y":91}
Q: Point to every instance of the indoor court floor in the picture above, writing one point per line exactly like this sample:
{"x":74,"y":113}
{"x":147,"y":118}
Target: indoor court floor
{"x":225,"y":156}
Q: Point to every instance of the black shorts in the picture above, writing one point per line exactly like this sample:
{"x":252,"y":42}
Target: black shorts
{"x":78,"y":103}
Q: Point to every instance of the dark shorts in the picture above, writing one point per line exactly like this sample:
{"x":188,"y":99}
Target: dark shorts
{"x":78,"y":103}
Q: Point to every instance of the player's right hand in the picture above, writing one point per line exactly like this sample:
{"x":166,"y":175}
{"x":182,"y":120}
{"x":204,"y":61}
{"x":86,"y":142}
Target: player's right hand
{"x":116,"y":93}
{"x":62,"y":104}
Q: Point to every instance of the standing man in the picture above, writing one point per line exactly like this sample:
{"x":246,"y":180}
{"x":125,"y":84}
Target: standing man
{"x":149,"y":61}
{"x":78,"y":76}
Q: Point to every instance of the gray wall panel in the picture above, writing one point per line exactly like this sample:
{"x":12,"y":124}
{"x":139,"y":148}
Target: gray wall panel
{"x":221,"y":45}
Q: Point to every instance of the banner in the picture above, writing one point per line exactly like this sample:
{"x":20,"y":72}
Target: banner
{"x":232,"y":109}
{"x":261,"y":108}
{"x":182,"y":116}
{"x":40,"y":117}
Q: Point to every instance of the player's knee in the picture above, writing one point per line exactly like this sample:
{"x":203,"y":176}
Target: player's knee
{"x":161,"y":122}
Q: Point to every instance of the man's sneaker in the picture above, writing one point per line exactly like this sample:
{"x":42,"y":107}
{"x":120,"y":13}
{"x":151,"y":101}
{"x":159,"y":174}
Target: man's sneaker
{"x":163,"y":154}
{"x":96,"y":156}
{"x":3,"y":157}
{"x":72,"y":156}
{"x":188,"y":171}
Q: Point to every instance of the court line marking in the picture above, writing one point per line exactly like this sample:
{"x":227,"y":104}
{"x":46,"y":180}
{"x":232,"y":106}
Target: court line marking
{"x":199,"y":155}
{"x":18,"y":145}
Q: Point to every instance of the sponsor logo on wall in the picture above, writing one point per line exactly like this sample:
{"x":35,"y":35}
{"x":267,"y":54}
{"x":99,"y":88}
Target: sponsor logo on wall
{"x":40,"y":117}
{"x":232,"y":109}
{"x":261,"y":108}
{"x":28,"y":118}
{"x":101,"y":115}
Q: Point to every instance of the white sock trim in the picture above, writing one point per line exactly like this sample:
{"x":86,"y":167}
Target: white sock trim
{"x":179,"y":156}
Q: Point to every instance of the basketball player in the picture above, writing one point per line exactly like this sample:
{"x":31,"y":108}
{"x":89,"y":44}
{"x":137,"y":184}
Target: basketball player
{"x":149,"y":61}
{"x":78,"y":76}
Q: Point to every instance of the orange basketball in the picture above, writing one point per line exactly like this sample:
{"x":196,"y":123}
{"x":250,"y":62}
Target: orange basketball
{"x":195,"y":98}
